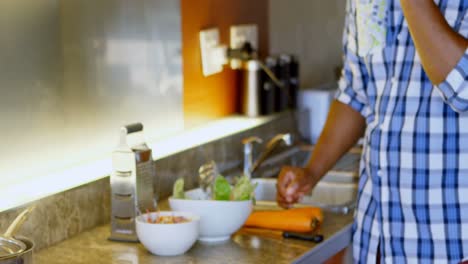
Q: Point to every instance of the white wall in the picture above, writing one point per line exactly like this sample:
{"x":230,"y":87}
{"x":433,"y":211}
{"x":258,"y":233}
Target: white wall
{"x":311,"y":29}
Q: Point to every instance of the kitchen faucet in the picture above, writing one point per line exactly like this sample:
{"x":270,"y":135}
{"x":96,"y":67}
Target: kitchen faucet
{"x":249,"y":165}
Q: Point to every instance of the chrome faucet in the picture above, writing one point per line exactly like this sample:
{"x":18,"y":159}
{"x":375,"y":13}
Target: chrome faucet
{"x":249,"y":165}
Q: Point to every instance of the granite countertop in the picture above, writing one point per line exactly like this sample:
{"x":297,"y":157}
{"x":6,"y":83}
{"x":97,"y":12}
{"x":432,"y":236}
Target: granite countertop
{"x":245,"y":247}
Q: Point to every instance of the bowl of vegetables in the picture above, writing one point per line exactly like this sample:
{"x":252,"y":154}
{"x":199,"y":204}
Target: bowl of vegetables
{"x":221,"y":215}
{"x":168,"y":233}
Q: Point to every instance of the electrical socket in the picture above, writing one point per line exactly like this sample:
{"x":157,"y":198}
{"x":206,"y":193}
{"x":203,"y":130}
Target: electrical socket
{"x":212,"y":53}
{"x":239,"y":34}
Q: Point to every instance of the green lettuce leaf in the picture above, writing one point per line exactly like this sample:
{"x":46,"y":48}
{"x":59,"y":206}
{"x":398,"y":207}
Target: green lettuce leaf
{"x":178,"y":189}
{"x":221,"y":189}
{"x":243,"y":190}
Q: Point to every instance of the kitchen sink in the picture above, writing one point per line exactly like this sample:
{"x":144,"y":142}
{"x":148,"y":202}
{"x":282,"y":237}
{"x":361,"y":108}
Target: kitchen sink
{"x":336,"y":197}
{"x":337,"y":191}
{"x":346,"y":169}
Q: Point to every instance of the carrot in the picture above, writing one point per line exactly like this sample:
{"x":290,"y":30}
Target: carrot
{"x":304,"y":219}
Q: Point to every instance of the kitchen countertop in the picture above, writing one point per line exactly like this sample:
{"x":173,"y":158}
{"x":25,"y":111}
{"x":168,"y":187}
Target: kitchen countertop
{"x":245,"y":247}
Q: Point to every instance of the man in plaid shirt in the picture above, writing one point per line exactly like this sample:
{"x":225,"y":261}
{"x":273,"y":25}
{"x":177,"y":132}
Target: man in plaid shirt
{"x":405,"y":88}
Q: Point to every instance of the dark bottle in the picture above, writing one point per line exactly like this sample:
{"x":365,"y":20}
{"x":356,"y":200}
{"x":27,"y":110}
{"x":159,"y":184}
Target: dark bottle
{"x":293,"y":82}
{"x":280,"y":93}
{"x":267,"y":95}
{"x":284,"y":63}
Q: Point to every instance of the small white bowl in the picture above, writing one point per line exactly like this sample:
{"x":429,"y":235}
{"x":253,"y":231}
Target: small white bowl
{"x":168,"y":239}
{"x":218,"y":219}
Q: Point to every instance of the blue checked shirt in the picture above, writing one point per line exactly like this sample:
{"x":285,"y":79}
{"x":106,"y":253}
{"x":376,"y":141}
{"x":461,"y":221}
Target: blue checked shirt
{"x":413,"y":188}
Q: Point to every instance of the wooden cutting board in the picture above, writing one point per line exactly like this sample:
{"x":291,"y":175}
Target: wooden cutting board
{"x":270,"y":205}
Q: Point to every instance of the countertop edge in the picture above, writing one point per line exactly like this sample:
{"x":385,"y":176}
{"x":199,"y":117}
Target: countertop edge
{"x":328,"y":248}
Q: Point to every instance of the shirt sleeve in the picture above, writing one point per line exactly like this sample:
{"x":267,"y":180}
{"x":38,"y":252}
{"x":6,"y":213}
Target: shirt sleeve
{"x":354,"y":78}
{"x":454,"y":88}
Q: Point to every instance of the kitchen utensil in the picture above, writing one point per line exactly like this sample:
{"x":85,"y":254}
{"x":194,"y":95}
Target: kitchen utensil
{"x":251,"y":88}
{"x":131,"y":182}
{"x":277,"y":234}
{"x":168,"y":239}
{"x":25,"y":257}
{"x":261,"y":88}
{"x":316,"y":238}
{"x":207,"y":174}
{"x":10,"y":246}
{"x":338,"y":209}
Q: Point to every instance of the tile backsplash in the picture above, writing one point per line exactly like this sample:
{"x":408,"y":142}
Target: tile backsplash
{"x":73,"y":72}
{"x":63,"y":215}
{"x":68,"y":213}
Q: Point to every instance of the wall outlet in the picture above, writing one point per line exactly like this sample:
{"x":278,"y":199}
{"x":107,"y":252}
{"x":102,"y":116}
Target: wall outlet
{"x":239,"y":34}
{"x":212,"y":53}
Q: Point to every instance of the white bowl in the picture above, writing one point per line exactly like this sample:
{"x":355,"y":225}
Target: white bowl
{"x":218,"y":219}
{"x":168,"y":239}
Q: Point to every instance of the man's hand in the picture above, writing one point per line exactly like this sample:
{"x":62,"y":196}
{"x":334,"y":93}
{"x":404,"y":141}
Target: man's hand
{"x":293,"y":183}
{"x":342,"y":130}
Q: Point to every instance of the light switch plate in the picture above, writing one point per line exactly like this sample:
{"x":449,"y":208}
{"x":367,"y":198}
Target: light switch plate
{"x":239,"y":34}
{"x":210,"y":51}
